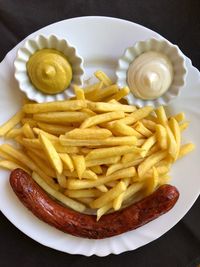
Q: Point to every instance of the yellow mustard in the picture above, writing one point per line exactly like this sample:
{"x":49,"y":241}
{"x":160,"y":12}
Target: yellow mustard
{"x":49,"y":71}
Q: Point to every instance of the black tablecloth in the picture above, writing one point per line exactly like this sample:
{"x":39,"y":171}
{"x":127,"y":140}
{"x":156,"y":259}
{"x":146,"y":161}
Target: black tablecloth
{"x":179,"y":22}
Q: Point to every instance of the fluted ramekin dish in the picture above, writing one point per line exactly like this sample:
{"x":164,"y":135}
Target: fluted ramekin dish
{"x":52,"y":42}
{"x":176,"y":58}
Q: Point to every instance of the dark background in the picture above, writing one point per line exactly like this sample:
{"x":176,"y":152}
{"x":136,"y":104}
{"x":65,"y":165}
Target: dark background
{"x":179,"y":22}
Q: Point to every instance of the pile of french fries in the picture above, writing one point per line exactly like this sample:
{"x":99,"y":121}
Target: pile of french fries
{"x":92,"y":151}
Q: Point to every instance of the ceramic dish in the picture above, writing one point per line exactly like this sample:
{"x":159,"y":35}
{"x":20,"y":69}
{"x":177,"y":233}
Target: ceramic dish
{"x":40,"y":42}
{"x":100,"y":51}
{"x":174,"y":55}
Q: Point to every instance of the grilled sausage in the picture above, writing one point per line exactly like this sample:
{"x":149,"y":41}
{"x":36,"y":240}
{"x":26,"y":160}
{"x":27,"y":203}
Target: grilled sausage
{"x":83,"y":225}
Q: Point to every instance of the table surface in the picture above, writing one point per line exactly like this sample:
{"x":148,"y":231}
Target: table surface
{"x":179,"y":22}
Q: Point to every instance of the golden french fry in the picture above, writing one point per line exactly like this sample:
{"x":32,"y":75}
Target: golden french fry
{"x":30,"y":121}
{"x":61,"y":180}
{"x":179,"y":117}
{"x":104,"y":93}
{"x":118,"y":166}
{"x":57,"y":195}
{"x":61,"y":117}
{"x":65,"y":149}
{"x":83,"y":193}
{"x":117,"y":202}
{"x":139,"y":127}
{"x":184,"y":126}
{"x":43,"y":165}
{"x":88,"y":134}
{"x":103,"y":210}
{"x":88,"y":111}
{"x":161,"y":135}
{"x":140,"y":142}
{"x":119,"y":95}
{"x":132,"y":190}
{"x":79,"y":92}
{"x":132,"y":156}
{"x":67,"y":161}
{"x":83,"y":184}
{"x":102,"y":161}
{"x":10,"y":165}
{"x":51,"y":153}
{"x":137,"y":115}
{"x":27,"y":131}
{"x":102,"y":118}
{"x":151,"y":182}
{"x":18,"y":155}
{"x":87,"y":174}
{"x":48,"y":135}
{"x":148,"y":144}
{"x":172,"y":146}
{"x":67,"y":105}
{"x":79,"y":164}
{"x":91,"y":89}
{"x":110,"y":141}
{"x":100,"y":153}
{"x":161,"y":116}
{"x":150,"y":161}
{"x":108,"y":196}
{"x":101,"y":76}
{"x":185,"y":149}
{"x":96,"y":169}
{"x":102,"y":188}
{"x":109,"y":107}
{"x":123,"y":129}
{"x":55,"y":129}
{"x":151,"y":125}
{"x":11,"y":123}
{"x":14,"y":133}
{"x":165,"y":179}
{"x":174,"y":126}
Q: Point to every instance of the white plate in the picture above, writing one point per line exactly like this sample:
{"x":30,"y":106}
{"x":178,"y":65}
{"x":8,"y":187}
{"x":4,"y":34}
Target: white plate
{"x":101,"y":41}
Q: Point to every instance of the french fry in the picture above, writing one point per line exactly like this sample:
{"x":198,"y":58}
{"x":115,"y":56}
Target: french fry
{"x":88,"y":111}
{"x":83,"y":184}
{"x":54,"y":129}
{"x":110,"y":141}
{"x":48,"y":135}
{"x":150,"y":125}
{"x":30,"y":121}
{"x":120,"y":94}
{"x":79,"y":164}
{"x":102,"y":161}
{"x":101,"y":76}
{"x":172,"y":145}
{"x":174,"y":126}
{"x":88,"y":134}
{"x":10,"y":165}
{"x":165,"y":179}
{"x":51,"y":153}
{"x":184,"y":126}
{"x":65,"y":149}
{"x":104,"y":93}
{"x":79,"y":92}
{"x":100,"y":153}
{"x":102,"y":118}
{"x":151,"y":183}
{"x":87,"y":174}
{"x":83,"y":193}
{"x":102,"y":188}
{"x":11,"y":123}
{"x":43,"y":165}
{"x":161,"y":135}
{"x":96,"y":169}
{"x":57,"y":195}
{"x":140,"y":142}
{"x":108,"y":196}
{"x":61,"y":180}
{"x":185,"y":149}
{"x":30,"y":143}
{"x":137,"y":115}
{"x":14,"y":133}
{"x":150,"y":161}
{"x":67,"y":161}
{"x":109,"y":107}
{"x":119,"y":166}
{"x":179,"y":117}
{"x":148,"y":144}
{"x":67,"y":105}
{"x":117,"y":202}
{"x":161,"y":116}
{"x":132,"y":190}
{"x":27,"y":131}
{"x":139,"y":127}
{"x":132,"y":156}
{"x":123,"y":129}
{"x":61,"y":117}
{"x":101,"y":211}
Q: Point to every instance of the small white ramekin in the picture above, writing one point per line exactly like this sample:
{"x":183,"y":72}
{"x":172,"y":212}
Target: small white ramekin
{"x":159,"y":45}
{"x":38,"y":43}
